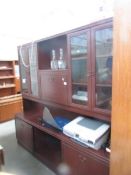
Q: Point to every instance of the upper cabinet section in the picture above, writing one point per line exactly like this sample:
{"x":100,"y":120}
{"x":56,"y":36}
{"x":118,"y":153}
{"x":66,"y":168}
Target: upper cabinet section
{"x":52,"y":53}
{"x":72,"y":69}
{"x":90,"y":63}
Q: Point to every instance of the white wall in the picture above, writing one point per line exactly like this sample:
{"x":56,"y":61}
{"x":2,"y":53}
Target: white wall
{"x":23,"y":21}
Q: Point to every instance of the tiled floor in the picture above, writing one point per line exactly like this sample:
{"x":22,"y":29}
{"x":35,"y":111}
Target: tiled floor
{"x":18,"y":161}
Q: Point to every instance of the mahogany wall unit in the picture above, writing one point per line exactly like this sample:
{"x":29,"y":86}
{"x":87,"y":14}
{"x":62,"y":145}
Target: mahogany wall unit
{"x":80,"y":85}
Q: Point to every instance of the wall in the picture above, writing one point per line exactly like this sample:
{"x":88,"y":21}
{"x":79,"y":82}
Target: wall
{"x":24,"y":21}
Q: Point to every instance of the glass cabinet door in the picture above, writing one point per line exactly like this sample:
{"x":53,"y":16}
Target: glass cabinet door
{"x":103,"y":68}
{"x":24,"y":68}
{"x":28,"y":69}
{"x":33,"y":69}
{"x":79,"y":68}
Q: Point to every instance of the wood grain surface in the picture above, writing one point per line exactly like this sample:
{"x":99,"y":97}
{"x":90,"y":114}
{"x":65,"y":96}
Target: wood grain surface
{"x":121,"y":111}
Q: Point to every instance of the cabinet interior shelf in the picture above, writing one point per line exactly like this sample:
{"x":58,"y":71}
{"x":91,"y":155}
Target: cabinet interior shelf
{"x":103,"y":85}
{"x":102,"y":56}
{"x":79,"y":58}
{"x":7,"y":77}
{"x":81,"y":84}
{"x":53,"y":70}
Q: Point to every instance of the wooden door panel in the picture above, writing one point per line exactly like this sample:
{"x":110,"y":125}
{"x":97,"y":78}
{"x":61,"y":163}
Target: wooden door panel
{"x":90,"y":166}
{"x":24,"y":134}
{"x":83,"y":164}
{"x":70,"y":158}
{"x":54,"y":87}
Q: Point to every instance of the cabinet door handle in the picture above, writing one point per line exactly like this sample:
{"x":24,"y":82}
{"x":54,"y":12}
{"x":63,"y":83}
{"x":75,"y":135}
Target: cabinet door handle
{"x":65,"y":83}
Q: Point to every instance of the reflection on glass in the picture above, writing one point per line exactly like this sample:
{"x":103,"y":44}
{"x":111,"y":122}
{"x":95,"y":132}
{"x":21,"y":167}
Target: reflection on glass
{"x":33,"y":70}
{"x":104,"y":68}
{"x":79,"y":69}
{"x":23,"y":68}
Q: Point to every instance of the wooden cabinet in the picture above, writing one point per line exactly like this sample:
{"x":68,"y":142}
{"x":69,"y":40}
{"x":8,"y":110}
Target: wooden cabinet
{"x":24,"y":134}
{"x":80,"y":163}
{"x":10,"y":105}
{"x":10,"y":100}
{"x":7,"y":78}
{"x":90,"y":61}
{"x":80,"y":85}
{"x":54,"y":85}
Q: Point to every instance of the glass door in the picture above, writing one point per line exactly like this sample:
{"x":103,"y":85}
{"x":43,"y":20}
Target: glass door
{"x":103,"y":68}
{"x":24,"y":68}
{"x":79,"y":56}
{"x":33,"y":69}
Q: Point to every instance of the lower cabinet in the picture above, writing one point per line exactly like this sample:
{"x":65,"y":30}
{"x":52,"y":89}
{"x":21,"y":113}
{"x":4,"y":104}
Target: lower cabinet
{"x":81,"y":164}
{"x":24,"y":134}
{"x":55,"y":152}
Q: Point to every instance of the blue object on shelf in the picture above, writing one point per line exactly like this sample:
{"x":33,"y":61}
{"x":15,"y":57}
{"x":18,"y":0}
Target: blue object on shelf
{"x":61,"y":121}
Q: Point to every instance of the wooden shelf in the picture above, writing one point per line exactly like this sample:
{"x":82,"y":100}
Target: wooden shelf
{"x":7,"y":86}
{"x":102,"y":56}
{"x":103,"y":85}
{"x":7,"y":77}
{"x":80,"y":84}
{"x":8,"y":68}
{"x":79,"y":58}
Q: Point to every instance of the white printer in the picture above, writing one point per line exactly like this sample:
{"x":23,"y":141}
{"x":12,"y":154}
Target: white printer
{"x":90,"y":132}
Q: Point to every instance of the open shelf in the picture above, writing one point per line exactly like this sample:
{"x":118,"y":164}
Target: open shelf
{"x":6,"y":68}
{"x":7,"y":77}
{"x":7,"y":86}
{"x":45,"y":48}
